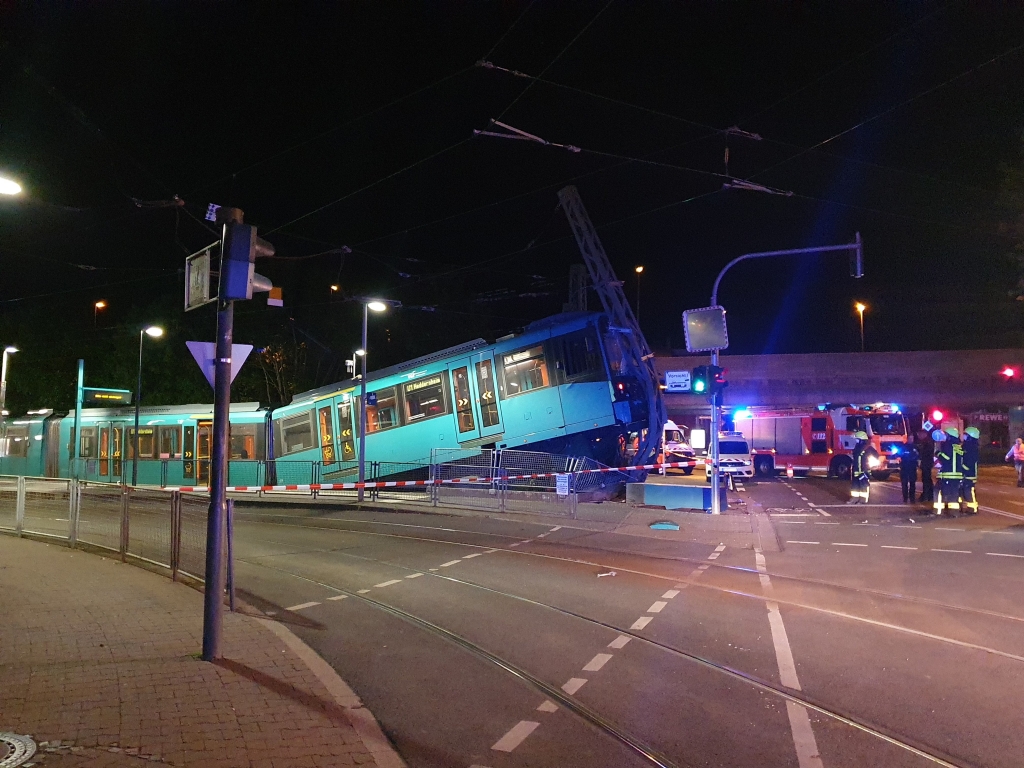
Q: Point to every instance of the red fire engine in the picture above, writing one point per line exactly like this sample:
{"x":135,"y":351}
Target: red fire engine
{"x":820,"y":439}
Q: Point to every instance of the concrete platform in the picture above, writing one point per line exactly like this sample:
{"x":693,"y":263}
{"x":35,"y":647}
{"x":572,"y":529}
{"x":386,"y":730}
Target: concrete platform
{"x":672,"y":495}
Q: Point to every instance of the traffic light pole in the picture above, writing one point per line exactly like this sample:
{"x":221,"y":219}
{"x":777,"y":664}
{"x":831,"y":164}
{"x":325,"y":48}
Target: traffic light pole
{"x":216,"y":520}
{"x":856,"y":249}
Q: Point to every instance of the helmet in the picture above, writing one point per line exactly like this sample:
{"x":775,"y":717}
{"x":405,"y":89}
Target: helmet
{"x":952,"y":431}
{"x":861,"y":434}
{"x":973,"y":432}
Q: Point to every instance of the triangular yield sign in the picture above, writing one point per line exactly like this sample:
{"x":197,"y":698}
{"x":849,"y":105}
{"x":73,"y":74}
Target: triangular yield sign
{"x":205,"y":353}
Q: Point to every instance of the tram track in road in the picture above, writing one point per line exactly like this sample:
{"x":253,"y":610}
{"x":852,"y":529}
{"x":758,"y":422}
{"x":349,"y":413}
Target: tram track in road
{"x":723,"y":567}
{"x":588,"y":714}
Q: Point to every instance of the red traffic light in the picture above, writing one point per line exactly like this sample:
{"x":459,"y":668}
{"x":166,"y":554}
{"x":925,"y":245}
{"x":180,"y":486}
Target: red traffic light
{"x":1008,"y":372}
{"x":937,"y":415}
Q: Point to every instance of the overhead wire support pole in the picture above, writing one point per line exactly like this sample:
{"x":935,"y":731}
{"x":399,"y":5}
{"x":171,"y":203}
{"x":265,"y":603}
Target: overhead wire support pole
{"x":856,"y":270}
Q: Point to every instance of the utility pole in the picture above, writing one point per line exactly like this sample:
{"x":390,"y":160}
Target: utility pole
{"x":856,"y":252}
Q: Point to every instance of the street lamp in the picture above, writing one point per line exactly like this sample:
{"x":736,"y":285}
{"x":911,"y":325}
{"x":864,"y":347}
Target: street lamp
{"x":9,"y":186}
{"x":155,"y":332}
{"x":639,"y":271}
{"x":377,"y":305}
{"x":350,"y":364}
{"x":10,"y":350}
{"x":95,"y":309}
{"x":860,"y":310}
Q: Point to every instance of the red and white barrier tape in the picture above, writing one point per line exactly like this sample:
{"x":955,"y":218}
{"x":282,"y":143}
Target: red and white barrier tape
{"x":414,"y":483}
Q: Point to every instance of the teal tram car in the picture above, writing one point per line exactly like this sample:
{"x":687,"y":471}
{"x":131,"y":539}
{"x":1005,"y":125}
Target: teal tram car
{"x":561,"y":386}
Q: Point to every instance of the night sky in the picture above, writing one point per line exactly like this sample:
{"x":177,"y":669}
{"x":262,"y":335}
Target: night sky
{"x":351,"y":125}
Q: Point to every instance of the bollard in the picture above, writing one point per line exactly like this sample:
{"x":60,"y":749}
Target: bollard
{"x":19,"y":509}
{"x":74,"y":510}
{"x":789,"y":470}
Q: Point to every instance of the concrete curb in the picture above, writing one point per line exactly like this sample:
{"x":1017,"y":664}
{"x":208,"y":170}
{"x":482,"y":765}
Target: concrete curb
{"x":361,"y":719}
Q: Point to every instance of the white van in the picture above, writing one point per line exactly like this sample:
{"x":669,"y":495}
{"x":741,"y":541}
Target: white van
{"x":733,"y":456}
{"x":675,"y":446}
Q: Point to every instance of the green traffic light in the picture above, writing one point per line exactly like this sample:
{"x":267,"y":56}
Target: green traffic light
{"x":698,"y":386}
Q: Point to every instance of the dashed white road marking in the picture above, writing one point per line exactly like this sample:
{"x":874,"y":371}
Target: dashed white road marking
{"x":474,"y":554}
{"x":516,"y":544}
{"x":556,"y":528}
{"x":362,"y":591}
{"x":845,"y":544}
{"x":619,"y":641}
{"x":1001,"y":533}
{"x":433,"y":569}
{"x":595,"y":664}
{"x":720,"y":548}
{"x":489,"y":551}
{"x":657,"y":606}
{"x":1003,"y":554}
{"x":823,"y":514}
{"x":954,"y":551}
{"x":541,"y":535}
{"x":414,"y":575}
{"x":337,"y":597}
{"x":795,"y":522}
{"x":547,"y":706}
{"x":670,"y":594}
{"x":387,"y":583}
{"x":893,"y":546}
{"x":799,"y":721}
{"x":515,"y":736}
{"x":450,"y":563}
{"x":803,"y":542}
{"x":822,"y":522}
{"x":300,"y":606}
{"x":949,"y":529}
{"x":574,"y":684}
{"x":915,"y":527}
{"x":642,"y":622}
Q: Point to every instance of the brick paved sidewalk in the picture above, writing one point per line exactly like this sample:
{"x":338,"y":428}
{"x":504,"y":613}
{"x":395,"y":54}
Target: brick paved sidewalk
{"x":99,"y":664}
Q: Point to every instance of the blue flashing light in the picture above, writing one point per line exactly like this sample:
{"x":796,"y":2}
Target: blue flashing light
{"x":895,"y":448}
{"x":741,"y":413}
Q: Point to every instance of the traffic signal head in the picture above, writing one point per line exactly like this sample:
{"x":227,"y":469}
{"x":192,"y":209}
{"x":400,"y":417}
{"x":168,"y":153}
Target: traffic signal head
{"x":717,"y":376}
{"x":240,"y":248}
{"x":1008,"y":372}
{"x":699,"y":380}
{"x":937,"y":416}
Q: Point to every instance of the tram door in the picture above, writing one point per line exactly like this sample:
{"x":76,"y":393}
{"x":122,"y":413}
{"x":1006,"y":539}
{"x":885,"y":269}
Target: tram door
{"x":474,"y":390}
{"x":111,"y":443}
{"x":204,"y":442}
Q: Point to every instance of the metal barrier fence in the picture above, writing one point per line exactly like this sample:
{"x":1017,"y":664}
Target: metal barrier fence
{"x":166,"y":528}
{"x":556,"y":493}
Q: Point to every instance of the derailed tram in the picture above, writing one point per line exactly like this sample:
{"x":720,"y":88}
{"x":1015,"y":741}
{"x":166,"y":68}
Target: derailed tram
{"x":564,"y":386}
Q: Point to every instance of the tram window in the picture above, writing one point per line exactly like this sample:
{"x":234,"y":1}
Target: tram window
{"x":87,"y":449}
{"x":348,"y":451}
{"x":424,"y":398}
{"x":577,"y":356}
{"x":168,"y":441}
{"x":524,"y":371}
{"x":244,"y":441}
{"x":146,"y":440}
{"x":383,"y":415}
{"x":17,"y":441}
{"x":297,"y":433}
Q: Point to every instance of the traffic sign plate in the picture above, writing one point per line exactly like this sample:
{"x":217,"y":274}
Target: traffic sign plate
{"x":677,"y":381}
{"x":205,"y":354}
{"x":198,"y":289}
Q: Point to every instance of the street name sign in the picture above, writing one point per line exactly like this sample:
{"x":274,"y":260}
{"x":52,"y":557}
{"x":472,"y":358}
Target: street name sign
{"x":705,"y":329}
{"x":677,"y":381}
{"x":205,"y":354}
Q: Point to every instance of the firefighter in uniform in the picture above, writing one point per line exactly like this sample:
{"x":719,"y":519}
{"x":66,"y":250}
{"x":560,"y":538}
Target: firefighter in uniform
{"x":970,"y":446}
{"x":949,"y":456}
{"x":860,"y":483}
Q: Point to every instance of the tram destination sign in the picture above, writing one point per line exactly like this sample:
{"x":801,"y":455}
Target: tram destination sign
{"x":97,"y":396}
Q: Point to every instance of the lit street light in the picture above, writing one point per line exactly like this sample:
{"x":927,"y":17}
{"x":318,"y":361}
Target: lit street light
{"x":860,"y":309}
{"x":639,"y":271}
{"x":95,"y":309}
{"x":155,"y":332}
{"x":9,"y":187}
{"x":350,"y":364}
{"x":377,"y":305}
